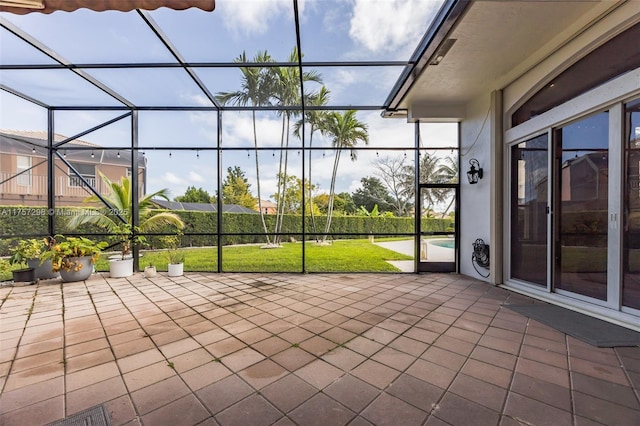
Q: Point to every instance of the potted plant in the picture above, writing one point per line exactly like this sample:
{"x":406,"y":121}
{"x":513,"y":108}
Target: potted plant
{"x":150,"y":271}
{"x":117,"y":216}
{"x":21,"y":271}
{"x":32,"y":250}
{"x":122,"y":265}
{"x":174,"y":255}
{"x":74,"y":257}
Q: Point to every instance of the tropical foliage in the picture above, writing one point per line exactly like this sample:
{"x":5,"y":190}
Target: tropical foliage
{"x":65,"y":253}
{"x":117,"y":216}
{"x":345,"y":132}
{"x":255,"y":91}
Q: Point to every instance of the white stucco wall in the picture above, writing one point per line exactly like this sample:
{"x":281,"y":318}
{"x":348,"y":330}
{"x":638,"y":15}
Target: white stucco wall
{"x":475,"y":142}
{"x":478,"y":128}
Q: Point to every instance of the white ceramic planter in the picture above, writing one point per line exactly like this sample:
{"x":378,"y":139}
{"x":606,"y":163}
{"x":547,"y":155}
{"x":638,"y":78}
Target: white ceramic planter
{"x":120,"y":268}
{"x":176,"y":269}
{"x":150,"y":271}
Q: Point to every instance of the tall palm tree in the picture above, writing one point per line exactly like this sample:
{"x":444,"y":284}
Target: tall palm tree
{"x":286,"y":92}
{"x":119,"y":200}
{"x":345,"y":131}
{"x":256,"y":89}
{"x":316,"y":119}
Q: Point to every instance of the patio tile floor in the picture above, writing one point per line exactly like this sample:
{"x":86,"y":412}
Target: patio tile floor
{"x":288,"y":349}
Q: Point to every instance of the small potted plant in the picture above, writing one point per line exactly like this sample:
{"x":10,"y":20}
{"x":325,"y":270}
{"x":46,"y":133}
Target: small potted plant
{"x":21,"y":271}
{"x":174,"y":255}
{"x":121,"y":266}
{"x":32,"y":250}
{"x":74,"y":257}
{"x":150,"y":271}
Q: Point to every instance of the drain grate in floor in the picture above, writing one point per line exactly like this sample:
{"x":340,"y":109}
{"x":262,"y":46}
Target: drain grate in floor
{"x":95,"y":416}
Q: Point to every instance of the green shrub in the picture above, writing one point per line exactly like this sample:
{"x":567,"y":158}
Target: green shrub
{"x":201,"y":227}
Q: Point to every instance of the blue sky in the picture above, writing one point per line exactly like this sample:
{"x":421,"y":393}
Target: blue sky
{"x":331,"y":30}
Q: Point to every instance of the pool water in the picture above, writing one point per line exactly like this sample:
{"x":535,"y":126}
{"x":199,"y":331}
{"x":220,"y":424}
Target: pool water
{"x":449,"y":243}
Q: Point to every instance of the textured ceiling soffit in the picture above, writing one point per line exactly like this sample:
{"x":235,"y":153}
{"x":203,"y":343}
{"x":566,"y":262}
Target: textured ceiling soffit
{"x":121,"y":5}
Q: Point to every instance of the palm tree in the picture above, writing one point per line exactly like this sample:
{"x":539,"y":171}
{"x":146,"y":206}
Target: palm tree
{"x":345,"y":131}
{"x":119,"y":211}
{"x":316,"y":119}
{"x":431,"y":171}
{"x":448,"y":173}
{"x":256,"y":91}
{"x":286,"y":93}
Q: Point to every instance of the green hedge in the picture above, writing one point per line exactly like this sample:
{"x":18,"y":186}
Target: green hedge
{"x":13,"y":222}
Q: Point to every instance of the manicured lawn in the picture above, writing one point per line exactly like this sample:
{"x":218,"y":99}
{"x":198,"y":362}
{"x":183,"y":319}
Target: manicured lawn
{"x":341,"y":256}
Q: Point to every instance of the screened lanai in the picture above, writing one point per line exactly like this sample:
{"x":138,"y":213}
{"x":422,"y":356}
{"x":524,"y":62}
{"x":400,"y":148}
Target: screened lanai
{"x":270,"y":112}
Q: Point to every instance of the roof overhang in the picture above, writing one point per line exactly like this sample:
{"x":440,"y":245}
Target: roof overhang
{"x":475,"y":47}
{"x":48,"y":6}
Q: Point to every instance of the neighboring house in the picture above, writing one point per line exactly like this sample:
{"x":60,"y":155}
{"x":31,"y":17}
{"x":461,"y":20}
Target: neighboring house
{"x":24,"y":171}
{"x":547,"y":95}
{"x":268,"y":207}
{"x":202,"y":207}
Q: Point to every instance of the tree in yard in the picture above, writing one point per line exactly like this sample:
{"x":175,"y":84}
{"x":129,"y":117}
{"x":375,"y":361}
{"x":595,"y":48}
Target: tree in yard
{"x":235,"y":189}
{"x":316,"y":119}
{"x":342,"y":203}
{"x":286,"y":92}
{"x":448,"y":172}
{"x":345,"y":132}
{"x":390,"y":172}
{"x":256,"y":91}
{"x":432,"y":170}
{"x":292,"y":201}
{"x":193,"y":195}
{"x":373,"y":194}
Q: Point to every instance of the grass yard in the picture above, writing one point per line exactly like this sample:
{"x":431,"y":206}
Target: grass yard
{"x":341,"y":256}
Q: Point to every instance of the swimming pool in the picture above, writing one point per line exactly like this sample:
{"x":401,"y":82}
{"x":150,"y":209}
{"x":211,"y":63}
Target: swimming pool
{"x":448,"y":243}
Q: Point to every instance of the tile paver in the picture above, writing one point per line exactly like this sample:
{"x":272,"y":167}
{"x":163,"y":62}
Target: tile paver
{"x":289,"y":349}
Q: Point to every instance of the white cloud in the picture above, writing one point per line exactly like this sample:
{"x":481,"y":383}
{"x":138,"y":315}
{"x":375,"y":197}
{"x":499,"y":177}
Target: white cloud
{"x":391,"y":25}
{"x":206,"y":123}
{"x":172,"y":179}
{"x":250,"y":16}
{"x":195,"y":177}
{"x":237,"y":130}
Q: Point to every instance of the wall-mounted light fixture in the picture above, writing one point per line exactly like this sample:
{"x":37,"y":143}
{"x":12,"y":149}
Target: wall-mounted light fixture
{"x":475,"y":172}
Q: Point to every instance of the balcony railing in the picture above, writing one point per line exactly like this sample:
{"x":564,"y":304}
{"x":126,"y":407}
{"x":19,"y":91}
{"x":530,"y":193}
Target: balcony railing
{"x":65,"y":186}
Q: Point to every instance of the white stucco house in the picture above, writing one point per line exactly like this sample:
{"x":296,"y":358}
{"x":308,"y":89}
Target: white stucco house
{"x":538,"y":88}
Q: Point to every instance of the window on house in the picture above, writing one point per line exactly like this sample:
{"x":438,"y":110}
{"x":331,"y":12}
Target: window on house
{"x":87,"y":171}
{"x":618,"y":57}
{"x":23,"y":170}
